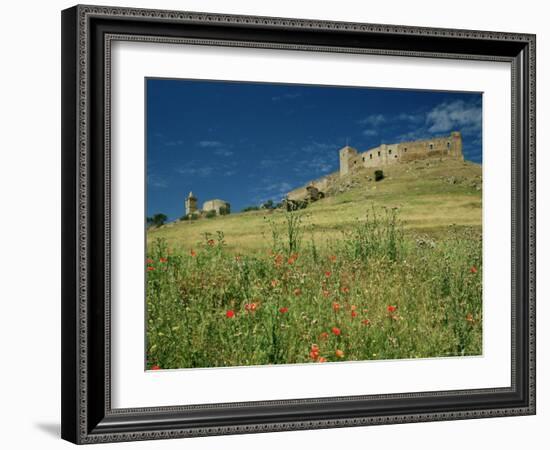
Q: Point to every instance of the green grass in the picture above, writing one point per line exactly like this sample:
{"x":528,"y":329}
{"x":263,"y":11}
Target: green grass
{"x":386,"y":270}
{"x":427,"y":204}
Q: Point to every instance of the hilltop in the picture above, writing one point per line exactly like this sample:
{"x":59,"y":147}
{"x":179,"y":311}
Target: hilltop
{"x":431,"y":195}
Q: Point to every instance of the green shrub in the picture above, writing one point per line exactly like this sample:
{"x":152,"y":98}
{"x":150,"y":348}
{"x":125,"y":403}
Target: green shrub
{"x":157,"y":220}
{"x":250,"y":208}
{"x":375,"y":236}
{"x":268,"y":205}
{"x":378,"y":175}
{"x":210,"y":214}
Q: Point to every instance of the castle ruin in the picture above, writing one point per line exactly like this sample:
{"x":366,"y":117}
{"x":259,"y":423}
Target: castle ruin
{"x":220,"y":207}
{"x":449,"y":147}
{"x":190,"y":204}
{"x":352,"y":160}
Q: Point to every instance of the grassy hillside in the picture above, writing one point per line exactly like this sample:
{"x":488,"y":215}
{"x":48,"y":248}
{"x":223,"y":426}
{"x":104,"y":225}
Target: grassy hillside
{"x":430,"y":196}
{"x":329,"y":283}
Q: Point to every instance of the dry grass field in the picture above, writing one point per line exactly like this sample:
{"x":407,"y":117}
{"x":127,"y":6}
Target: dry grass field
{"x":376,"y":270}
{"x":430,"y":196}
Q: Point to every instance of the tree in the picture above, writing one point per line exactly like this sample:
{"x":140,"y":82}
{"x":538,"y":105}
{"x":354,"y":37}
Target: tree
{"x":158,"y":219}
{"x":268,"y":205}
{"x":378,"y":175}
{"x":250,"y":208}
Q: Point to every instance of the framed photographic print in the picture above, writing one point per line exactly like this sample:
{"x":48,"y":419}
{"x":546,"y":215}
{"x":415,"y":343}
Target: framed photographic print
{"x":280,"y":224}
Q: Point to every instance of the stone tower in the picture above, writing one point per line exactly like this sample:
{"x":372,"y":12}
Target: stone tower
{"x":455,"y":147}
{"x":190,"y":204}
{"x":348,"y":158}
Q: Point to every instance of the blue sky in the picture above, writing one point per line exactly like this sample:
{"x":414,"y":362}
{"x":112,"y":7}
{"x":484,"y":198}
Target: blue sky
{"x":249,"y":142}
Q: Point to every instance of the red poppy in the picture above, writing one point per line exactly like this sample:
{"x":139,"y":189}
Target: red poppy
{"x":336,"y":331}
{"x":314,"y":352}
{"x":323,"y":336}
{"x":150,"y":269}
{"x":365,"y":322}
{"x":353,"y":314}
{"x":193,"y":253}
{"x":283,"y":310}
{"x":163,"y":260}
{"x":332,"y":258}
{"x":322,"y":360}
{"x":336,"y":307}
{"x":229,"y":314}
{"x":251,"y":306}
{"x":473,"y":269}
{"x":328,"y":274}
{"x":155,"y":367}
{"x":339,"y":353}
{"x":345,"y":290}
{"x":149,"y":261}
{"x":391,"y":308}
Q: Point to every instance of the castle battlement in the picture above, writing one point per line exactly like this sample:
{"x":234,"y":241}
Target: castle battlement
{"x":449,"y":147}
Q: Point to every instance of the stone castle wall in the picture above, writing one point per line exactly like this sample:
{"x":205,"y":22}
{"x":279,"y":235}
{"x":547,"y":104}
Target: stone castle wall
{"x":351,"y":160}
{"x":214,"y":205}
{"x":387,"y":154}
{"x":322,"y":184}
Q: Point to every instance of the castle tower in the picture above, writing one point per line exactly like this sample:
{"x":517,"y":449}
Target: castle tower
{"x":348,"y":159}
{"x":190,"y":204}
{"x":456,"y":145}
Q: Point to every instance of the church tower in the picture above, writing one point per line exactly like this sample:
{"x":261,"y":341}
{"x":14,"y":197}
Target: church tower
{"x":190,"y":204}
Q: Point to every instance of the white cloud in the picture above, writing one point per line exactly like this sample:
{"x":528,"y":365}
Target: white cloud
{"x":316,"y":147}
{"x":448,"y":116}
{"x":373,"y":120}
{"x":274,"y":190}
{"x":414,"y":135}
{"x":370,"y":132}
{"x":221,"y":149}
{"x":174,"y":143}
{"x":288,"y":96}
{"x":413,"y":118}
{"x":268,"y":163}
{"x":203,"y":171}
{"x":458,"y":115}
{"x":223,"y":152}
{"x":157,"y":181}
{"x":210,"y":144}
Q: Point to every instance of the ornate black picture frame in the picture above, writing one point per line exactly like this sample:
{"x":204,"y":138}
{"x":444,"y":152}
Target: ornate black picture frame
{"x":87,"y":34}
